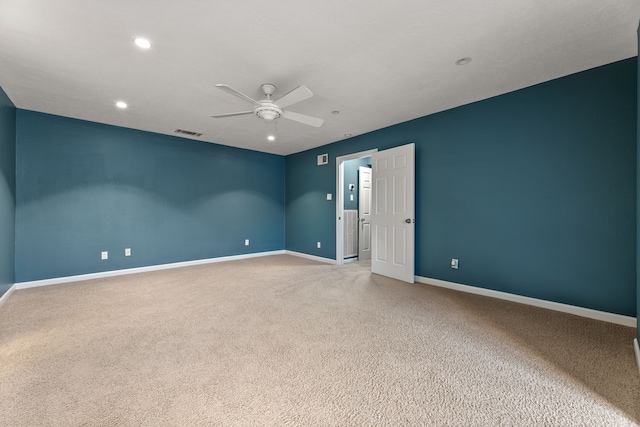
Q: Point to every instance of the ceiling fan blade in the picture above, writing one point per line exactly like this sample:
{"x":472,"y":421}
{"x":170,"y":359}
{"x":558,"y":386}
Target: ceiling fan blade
{"x":241,"y":113}
{"x":302,"y":118}
{"x":234,"y":92}
{"x":296,"y":95}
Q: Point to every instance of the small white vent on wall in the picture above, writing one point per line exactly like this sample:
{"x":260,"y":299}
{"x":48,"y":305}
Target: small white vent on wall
{"x":187,"y":132}
{"x":323,"y":159}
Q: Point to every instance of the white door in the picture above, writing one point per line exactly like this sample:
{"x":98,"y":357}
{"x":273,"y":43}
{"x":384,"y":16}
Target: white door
{"x":364,"y":212}
{"x":393,"y":213}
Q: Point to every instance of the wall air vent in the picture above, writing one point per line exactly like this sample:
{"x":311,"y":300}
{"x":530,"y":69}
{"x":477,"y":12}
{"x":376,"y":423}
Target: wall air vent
{"x":187,"y":132}
{"x":323,"y":159}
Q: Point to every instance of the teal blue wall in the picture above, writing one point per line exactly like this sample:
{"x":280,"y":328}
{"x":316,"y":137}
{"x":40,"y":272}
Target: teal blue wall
{"x":85,"y":187}
{"x":533,"y":191}
{"x":7,"y":191}
{"x":351,"y":177}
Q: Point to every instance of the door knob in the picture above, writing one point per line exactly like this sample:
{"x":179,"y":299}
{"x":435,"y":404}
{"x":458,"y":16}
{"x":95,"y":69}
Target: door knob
{"x":408,"y":220}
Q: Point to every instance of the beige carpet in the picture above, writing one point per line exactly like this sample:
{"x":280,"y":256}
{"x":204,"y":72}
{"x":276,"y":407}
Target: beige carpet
{"x":286,"y":341}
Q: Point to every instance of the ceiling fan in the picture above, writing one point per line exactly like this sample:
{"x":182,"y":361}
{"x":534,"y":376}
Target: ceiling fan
{"x":270,"y":110}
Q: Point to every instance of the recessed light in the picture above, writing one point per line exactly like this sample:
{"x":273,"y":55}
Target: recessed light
{"x":335,"y":112}
{"x":143,"y":43}
{"x":347,"y":135}
{"x":271,"y":138}
{"x":463,"y":61}
{"x":121,"y":104}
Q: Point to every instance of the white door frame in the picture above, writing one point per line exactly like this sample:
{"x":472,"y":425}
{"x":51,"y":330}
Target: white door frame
{"x":340,"y":200}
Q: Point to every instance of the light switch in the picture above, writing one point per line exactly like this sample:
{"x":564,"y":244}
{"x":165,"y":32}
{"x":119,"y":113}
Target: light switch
{"x":329,"y":196}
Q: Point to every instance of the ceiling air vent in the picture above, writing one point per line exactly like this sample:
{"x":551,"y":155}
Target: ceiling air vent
{"x":187,"y":132}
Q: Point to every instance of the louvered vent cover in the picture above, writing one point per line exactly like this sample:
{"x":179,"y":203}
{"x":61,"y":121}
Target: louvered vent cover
{"x":188,"y":132}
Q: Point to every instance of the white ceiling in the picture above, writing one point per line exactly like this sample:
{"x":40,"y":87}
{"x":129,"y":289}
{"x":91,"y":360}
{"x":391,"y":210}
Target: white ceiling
{"x":379,"y":62}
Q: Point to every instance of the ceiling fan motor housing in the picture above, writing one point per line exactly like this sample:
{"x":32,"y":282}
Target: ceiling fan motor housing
{"x":267,"y":110}
{"x":268,"y":89}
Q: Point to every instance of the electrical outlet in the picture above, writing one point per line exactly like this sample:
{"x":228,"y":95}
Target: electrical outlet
{"x":127,"y":252}
{"x":454,"y":263}
{"x":104,"y":255}
{"x":319,"y":245}
{"x":246,"y":242}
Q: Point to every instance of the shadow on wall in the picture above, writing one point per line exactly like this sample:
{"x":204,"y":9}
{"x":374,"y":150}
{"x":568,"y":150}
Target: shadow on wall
{"x":86,"y":187}
{"x":57,"y":154}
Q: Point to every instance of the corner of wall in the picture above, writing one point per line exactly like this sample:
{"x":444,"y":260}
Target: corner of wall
{"x":7,"y":191}
{"x":637,"y":204}
{"x":637,"y":349}
{"x":8,"y":292}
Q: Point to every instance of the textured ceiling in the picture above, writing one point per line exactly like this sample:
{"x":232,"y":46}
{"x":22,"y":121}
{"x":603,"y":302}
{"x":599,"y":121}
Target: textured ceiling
{"x":379,"y":62}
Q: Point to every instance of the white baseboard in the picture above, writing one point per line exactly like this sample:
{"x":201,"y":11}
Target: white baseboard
{"x":9,"y":291}
{"x":58,"y":280}
{"x":637,"y":349}
{"x":313,"y":257}
{"x":565,"y":308}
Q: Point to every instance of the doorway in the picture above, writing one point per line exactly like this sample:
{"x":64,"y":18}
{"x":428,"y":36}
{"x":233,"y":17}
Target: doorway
{"x":357,"y":209}
{"x":346,"y":200}
{"x":392,"y":214}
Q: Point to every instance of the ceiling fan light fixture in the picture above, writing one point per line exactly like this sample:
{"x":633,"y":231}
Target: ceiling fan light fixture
{"x":271,"y":130}
{"x":142,"y":43}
